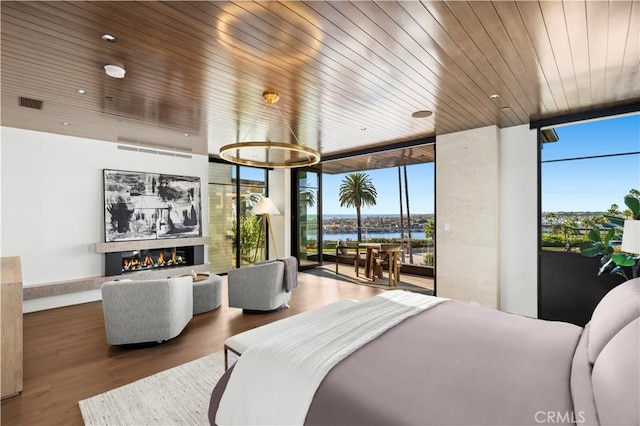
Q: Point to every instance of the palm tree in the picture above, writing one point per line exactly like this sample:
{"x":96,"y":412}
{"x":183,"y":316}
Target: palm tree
{"x":568,"y":229}
{"x":406,"y":193}
{"x":401,"y":215}
{"x":429,"y":229}
{"x":308,"y":197}
{"x":614,"y":210}
{"x":357,"y":190}
{"x":587,"y":223}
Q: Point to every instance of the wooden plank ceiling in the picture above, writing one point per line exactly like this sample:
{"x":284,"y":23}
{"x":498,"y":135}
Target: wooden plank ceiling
{"x":350,"y":74}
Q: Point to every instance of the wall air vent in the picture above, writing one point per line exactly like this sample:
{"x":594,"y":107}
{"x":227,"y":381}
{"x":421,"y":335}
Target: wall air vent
{"x":153,"y":151}
{"x":30,"y":103}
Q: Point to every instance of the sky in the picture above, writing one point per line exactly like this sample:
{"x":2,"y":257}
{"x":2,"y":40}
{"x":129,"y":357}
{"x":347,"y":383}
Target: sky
{"x":591,"y":184}
{"x":421,"y":189}
{"x":578,"y":185}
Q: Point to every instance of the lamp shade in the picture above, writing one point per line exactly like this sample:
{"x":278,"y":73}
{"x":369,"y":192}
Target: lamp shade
{"x":631,"y":237}
{"x":265,"y":206}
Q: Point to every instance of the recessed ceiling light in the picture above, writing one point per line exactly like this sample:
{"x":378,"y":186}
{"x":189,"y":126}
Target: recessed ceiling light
{"x":494,"y":96}
{"x":109,"y":99}
{"x":505,"y":108}
{"x":363,"y":128}
{"x":422,"y":114}
{"x":64,"y":123}
{"x":187,"y":134}
{"x":81,"y":91}
{"x":115,"y":71}
{"x":109,"y":38}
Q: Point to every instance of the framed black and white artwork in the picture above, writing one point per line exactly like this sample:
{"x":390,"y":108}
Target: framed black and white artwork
{"x":140,"y":205}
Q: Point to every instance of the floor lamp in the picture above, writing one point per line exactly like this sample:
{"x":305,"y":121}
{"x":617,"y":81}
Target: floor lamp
{"x":265,"y":207}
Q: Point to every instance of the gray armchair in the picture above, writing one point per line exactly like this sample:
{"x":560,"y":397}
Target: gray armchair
{"x":258,"y":287}
{"x":146,"y":310}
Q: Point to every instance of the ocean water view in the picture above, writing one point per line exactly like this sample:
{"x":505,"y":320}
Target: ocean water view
{"x":347,"y":236}
{"x":344,"y":226}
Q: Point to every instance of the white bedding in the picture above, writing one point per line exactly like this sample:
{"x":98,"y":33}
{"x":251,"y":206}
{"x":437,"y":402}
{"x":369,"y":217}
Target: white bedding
{"x":274,"y":382}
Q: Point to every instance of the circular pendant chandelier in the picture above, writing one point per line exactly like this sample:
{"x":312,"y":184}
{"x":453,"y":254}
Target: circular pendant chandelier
{"x":267,"y":153}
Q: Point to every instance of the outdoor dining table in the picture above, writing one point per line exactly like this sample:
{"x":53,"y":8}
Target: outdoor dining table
{"x":373,"y":260}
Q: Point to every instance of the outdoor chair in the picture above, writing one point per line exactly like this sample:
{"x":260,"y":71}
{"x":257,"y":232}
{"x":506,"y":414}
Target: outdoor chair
{"x":387,"y":256}
{"x":349,"y":252}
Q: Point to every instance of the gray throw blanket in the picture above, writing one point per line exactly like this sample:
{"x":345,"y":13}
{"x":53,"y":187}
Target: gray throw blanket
{"x":290,"y":273}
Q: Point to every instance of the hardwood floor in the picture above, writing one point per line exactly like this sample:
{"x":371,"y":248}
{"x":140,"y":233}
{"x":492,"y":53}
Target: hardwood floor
{"x":67,"y":358}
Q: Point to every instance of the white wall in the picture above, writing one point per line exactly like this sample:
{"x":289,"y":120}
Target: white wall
{"x":52,"y":199}
{"x":519,"y":221}
{"x":468,"y":216}
{"x":487,"y":194}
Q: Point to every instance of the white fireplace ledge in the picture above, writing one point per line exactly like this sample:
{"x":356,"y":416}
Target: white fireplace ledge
{"x":93,"y":283}
{"x":60,"y":301}
{"x":130,"y":245}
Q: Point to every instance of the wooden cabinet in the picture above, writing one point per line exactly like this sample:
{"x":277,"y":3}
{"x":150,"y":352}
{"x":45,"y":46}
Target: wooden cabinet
{"x":11,"y":345}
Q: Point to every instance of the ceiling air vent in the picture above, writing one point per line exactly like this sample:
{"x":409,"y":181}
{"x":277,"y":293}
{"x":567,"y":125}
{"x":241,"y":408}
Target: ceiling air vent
{"x":30,"y":103}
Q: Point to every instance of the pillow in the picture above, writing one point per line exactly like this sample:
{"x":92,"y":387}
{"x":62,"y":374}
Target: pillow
{"x":616,"y":378}
{"x":343,"y":247}
{"x":584,"y":404}
{"x":617,"y":308}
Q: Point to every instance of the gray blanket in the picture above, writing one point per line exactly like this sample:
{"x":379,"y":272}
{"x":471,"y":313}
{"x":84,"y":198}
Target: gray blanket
{"x":290,"y":273}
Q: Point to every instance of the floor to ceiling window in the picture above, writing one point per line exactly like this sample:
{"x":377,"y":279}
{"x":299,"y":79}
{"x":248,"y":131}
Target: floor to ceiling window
{"x":237,"y":237}
{"x":403,"y":211}
{"x":584,"y":178}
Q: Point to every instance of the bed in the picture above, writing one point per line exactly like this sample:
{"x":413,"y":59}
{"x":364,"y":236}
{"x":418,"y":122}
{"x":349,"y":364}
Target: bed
{"x":452,"y":363}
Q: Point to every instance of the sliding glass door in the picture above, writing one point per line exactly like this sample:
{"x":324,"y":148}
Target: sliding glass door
{"x":307,"y":238}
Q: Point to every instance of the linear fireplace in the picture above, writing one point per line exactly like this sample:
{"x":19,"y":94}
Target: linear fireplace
{"x":151,"y":257}
{"x":123,"y":262}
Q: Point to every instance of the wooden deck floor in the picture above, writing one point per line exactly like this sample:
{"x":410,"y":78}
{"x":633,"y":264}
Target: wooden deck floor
{"x":348,"y":271}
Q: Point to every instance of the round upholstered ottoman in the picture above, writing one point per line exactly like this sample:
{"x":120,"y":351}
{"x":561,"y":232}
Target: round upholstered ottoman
{"x":207,"y":293}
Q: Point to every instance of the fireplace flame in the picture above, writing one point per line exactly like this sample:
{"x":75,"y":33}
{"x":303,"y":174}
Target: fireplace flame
{"x":131,"y":264}
{"x":173,"y":259}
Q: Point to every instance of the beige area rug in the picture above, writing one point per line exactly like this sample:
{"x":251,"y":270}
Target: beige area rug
{"x":178,"y":396}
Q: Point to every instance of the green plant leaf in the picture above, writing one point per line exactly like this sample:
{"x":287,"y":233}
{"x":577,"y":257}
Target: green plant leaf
{"x":623,"y":260}
{"x":615,"y":220}
{"x":591,"y":249}
{"x":634,"y":205}
{"x":605,"y":259}
{"x":609,"y":236}
{"x":594,"y":234}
